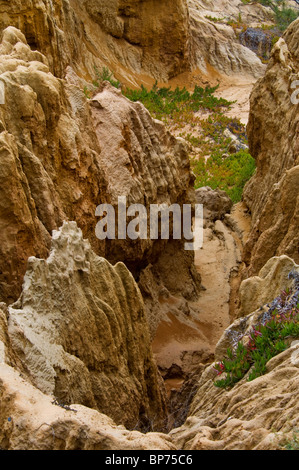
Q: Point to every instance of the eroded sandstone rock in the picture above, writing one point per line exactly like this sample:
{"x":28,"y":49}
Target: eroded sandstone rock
{"x":271,"y":281}
{"x":49,"y":170}
{"x":272,"y":194}
{"x":216,"y":46}
{"x":140,"y":37}
{"x":29,"y":420}
{"x":261,"y":414}
{"x":138,"y":40}
{"x":62,"y":155}
{"x":141,"y":161}
{"x":81,"y":334}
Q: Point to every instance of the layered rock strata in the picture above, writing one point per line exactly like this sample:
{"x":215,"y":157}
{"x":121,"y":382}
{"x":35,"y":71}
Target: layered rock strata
{"x":80,"y":332}
{"x":62,"y":155}
{"x":272,"y":194}
{"x":140,"y":37}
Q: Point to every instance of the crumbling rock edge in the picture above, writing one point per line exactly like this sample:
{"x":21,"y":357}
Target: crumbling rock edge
{"x":242,"y":418}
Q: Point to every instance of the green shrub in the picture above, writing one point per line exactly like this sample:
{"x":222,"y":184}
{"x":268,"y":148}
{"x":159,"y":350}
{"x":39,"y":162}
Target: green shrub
{"x":166,"y":103}
{"x":104,"y":75}
{"x":228,"y":172}
{"x":294,"y":443}
{"x":284,"y":17}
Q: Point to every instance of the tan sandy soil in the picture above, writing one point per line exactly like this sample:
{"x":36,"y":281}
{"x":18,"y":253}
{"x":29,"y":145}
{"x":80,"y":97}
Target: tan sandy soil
{"x":219,"y":260}
{"x":237,"y":88}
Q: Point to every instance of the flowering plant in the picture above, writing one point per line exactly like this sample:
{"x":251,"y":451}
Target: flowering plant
{"x":268,"y":338}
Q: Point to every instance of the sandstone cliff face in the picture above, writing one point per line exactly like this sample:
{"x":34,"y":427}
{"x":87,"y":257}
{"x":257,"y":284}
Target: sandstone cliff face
{"x":138,"y":40}
{"x":252,"y":415}
{"x":215,"y":45}
{"x":142,"y":161}
{"x":63,"y":155}
{"x":140,"y":37}
{"x":42,"y":142}
{"x":80,"y":332}
{"x":158,"y":30}
{"x":270,"y":282}
{"x":272,"y":194}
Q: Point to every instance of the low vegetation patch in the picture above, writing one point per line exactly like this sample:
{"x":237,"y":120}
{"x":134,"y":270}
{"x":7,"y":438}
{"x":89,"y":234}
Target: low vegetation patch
{"x":166,"y":104}
{"x":293,"y":444}
{"x":268,"y":338}
{"x":224,"y":169}
{"x":284,"y":15}
{"x":212,"y":161}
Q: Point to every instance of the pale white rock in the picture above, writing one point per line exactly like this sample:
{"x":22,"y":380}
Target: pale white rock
{"x":80,"y":331}
{"x":29,"y":420}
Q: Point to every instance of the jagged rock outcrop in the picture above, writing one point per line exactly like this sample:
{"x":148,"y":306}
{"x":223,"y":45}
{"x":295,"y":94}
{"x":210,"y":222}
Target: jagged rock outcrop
{"x":270,"y":282}
{"x":256,"y":296}
{"x":261,"y":414}
{"x":80,"y":332}
{"x":142,"y":161}
{"x":29,"y":420}
{"x":62,"y":155}
{"x":130,"y":37}
{"x":216,"y":48}
{"x":138,"y":40}
{"x":49,"y":171}
{"x":272,"y":195}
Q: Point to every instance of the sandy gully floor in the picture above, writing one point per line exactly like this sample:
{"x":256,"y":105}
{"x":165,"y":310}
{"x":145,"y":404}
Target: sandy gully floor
{"x":185,"y":341}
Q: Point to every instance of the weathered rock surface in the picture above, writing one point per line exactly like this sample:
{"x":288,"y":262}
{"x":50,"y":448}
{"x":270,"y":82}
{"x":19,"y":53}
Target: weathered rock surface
{"x":142,"y":161}
{"x":271,"y":281}
{"x":279,"y":275}
{"x":140,"y":37}
{"x":138,"y":40}
{"x":216,"y":203}
{"x":29,"y":420}
{"x":80,"y":331}
{"x":63,"y":155}
{"x":49,"y":170}
{"x":215,"y":44}
{"x":251,"y":14}
{"x":262,"y":414}
{"x":258,"y":415}
{"x":272,"y":194}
